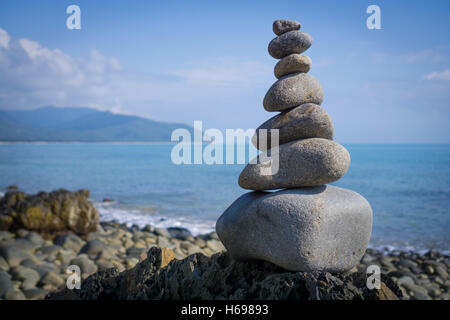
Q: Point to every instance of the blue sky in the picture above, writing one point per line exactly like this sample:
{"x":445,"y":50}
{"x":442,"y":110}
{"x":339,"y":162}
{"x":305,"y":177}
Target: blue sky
{"x":207,"y":60}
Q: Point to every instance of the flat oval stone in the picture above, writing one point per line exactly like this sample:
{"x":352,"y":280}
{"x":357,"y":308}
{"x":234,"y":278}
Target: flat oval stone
{"x":282,"y":26}
{"x":291,"y":64}
{"x":323,"y":228}
{"x":306,"y":121}
{"x":302,"y":163}
{"x":288,"y":43}
{"x":293,"y":90}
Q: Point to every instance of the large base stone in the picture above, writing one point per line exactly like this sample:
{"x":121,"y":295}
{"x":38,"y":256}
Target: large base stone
{"x":323,"y":228}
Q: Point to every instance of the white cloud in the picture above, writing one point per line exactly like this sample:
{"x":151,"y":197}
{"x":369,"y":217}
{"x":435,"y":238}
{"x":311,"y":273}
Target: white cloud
{"x":4,"y":39}
{"x":443,"y":75}
{"x":431,"y":55}
{"x":225,"y":72}
{"x":32,"y":76}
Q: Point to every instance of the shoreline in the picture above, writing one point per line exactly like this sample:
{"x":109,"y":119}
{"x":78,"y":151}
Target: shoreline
{"x":116,"y":245}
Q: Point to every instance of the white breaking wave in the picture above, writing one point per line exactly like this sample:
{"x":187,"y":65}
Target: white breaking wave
{"x":110,"y":212}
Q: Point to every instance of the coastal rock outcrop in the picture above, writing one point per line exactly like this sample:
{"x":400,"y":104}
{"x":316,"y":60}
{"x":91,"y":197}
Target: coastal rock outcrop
{"x":52,"y":212}
{"x":221,"y":277}
{"x":309,"y":226}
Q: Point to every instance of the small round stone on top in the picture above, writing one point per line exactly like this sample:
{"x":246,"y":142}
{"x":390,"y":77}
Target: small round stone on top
{"x":282,"y":26}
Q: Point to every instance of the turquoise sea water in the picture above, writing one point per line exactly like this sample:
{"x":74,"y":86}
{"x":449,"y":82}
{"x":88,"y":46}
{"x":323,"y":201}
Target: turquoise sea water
{"x":408,"y":186}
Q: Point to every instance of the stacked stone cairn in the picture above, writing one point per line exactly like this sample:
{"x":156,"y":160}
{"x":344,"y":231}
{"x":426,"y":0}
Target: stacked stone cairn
{"x":307,"y":225}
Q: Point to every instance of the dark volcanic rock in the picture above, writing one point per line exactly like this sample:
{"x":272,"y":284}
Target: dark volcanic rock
{"x":57,"y":211}
{"x":220,"y":277}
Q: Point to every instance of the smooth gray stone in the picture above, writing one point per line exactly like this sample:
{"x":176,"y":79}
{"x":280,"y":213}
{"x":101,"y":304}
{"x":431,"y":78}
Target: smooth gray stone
{"x":94,"y":247}
{"x":293,"y":90}
{"x":43,"y":269}
{"x":53,"y":279}
{"x":69,"y":241}
{"x":22,"y":244}
{"x":282,"y":26}
{"x":15,"y":294}
{"x":34,"y":238}
{"x":28,"y":276}
{"x":302,"y":163}
{"x":323,"y":228}
{"x":3,"y":264}
{"x":5,"y":283}
{"x":35,"y":294}
{"x":50,"y":250}
{"x":87,"y":266}
{"x":14,"y":256}
{"x":291,"y":64}
{"x":306,"y":121}
{"x":288,"y":43}
{"x":5,"y":235}
{"x":162,"y":232}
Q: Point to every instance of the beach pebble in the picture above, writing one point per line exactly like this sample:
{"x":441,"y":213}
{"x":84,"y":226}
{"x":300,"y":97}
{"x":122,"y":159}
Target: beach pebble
{"x":215,"y":245}
{"x":179,"y":233}
{"x":303,"y":163}
{"x":50,"y":250}
{"x":131,"y":262}
{"x":306,"y":121}
{"x":53,"y":279}
{"x":135,"y":252}
{"x":162,"y":232}
{"x":6,"y":283}
{"x":35,"y":293}
{"x":14,"y":294}
{"x":43,"y":268}
{"x":5,"y":235}
{"x":407,"y":263}
{"x":35,"y":238}
{"x":104,"y":264}
{"x":291,"y":64}
{"x":93,"y":247}
{"x":3,"y":264}
{"x":27,"y":276}
{"x":322,"y":228}
{"x":290,"y":42}
{"x":164,"y":242}
{"x":21,"y":233}
{"x":441,"y":272}
{"x":293,"y":90}
{"x":12,"y":255}
{"x":281,"y":26}
{"x":415,"y":288}
{"x":405,"y":280}
{"x":149,"y":228}
{"x":69,"y":241}
{"x":429,"y":269}
{"x":22,"y":244}
{"x":421,"y":296}
{"x":87,"y":266}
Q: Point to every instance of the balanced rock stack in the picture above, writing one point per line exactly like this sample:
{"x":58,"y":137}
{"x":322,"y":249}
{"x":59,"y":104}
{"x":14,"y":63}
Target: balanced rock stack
{"x":307,"y":226}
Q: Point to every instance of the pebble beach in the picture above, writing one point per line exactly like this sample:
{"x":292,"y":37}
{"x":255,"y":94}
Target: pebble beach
{"x":32,"y":266}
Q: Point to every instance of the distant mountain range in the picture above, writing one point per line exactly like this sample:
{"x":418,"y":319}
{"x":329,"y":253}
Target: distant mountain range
{"x":54,"y":124}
